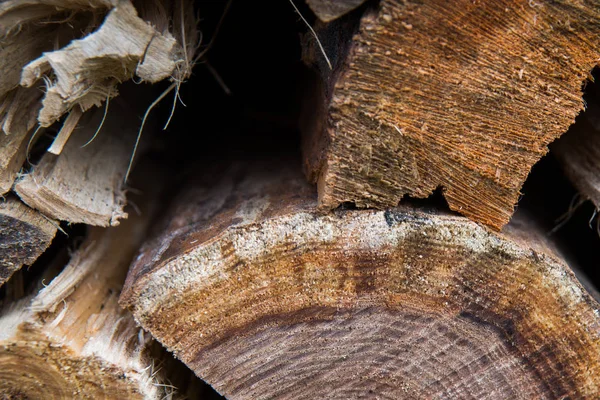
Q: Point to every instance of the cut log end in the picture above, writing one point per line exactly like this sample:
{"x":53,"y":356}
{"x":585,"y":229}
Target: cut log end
{"x":272,"y":299}
{"x":470,"y":102}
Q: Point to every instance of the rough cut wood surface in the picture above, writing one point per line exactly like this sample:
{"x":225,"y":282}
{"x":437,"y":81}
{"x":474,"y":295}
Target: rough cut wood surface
{"x":87,"y":71}
{"x":263,"y":297}
{"x":464,"y":94}
{"x":19,"y":107}
{"x":73,"y":341}
{"x":18,"y":116}
{"x":24,"y":235}
{"x":328,"y":10}
{"x":85,"y":184}
{"x":579,"y":151}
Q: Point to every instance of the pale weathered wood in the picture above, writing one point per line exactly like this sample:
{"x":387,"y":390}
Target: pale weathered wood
{"x":73,"y":341}
{"x":263,"y":297}
{"x":85,"y":183}
{"x":65,"y":131}
{"x":24,"y":235}
{"x":579,"y":151}
{"x":328,"y":10}
{"x":15,"y":14}
{"x":87,"y":71}
{"x":17,"y":120}
{"x":19,"y":107}
{"x":461,"y":95}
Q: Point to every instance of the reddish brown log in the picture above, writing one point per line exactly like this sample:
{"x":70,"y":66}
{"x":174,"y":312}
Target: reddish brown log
{"x":463,"y":95}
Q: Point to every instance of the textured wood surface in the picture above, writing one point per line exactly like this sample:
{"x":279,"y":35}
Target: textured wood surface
{"x":86,"y":184}
{"x":86,"y":71}
{"x":24,"y":235}
{"x":328,"y":10}
{"x":463,"y":95}
{"x":263,"y":297}
{"x":19,"y":107}
{"x":71,"y":340}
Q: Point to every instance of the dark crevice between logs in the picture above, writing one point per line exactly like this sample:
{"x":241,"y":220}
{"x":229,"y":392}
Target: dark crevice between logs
{"x":548,"y":196}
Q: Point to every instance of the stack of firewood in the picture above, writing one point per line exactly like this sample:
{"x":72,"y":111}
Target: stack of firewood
{"x":270,"y":277}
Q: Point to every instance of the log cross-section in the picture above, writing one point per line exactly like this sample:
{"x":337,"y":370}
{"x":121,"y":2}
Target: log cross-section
{"x":263,"y":297}
{"x":464,"y":95}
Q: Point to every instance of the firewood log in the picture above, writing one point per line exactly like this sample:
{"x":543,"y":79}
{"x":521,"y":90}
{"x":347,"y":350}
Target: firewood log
{"x":71,"y":340}
{"x":265,"y":297}
{"x":463,"y":95}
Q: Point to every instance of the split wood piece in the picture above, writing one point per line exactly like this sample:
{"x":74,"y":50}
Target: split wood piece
{"x":84,"y":184}
{"x":265,"y":298}
{"x":87,"y":71}
{"x":18,"y":117}
{"x":579,"y":152}
{"x":15,"y":14}
{"x":328,"y":10}
{"x":72,"y":340}
{"x":24,"y":236}
{"x":19,"y":107}
{"x":461,"y":95}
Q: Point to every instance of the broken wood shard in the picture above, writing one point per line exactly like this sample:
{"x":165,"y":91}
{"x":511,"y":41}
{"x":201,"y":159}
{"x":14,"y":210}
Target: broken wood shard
{"x":18,"y":116}
{"x":72,"y":340}
{"x":87,"y":71}
{"x":84,"y":184}
{"x":19,"y":107}
{"x":469,"y":103}
{"x":24,"y":236}
{"x":263,"y":297}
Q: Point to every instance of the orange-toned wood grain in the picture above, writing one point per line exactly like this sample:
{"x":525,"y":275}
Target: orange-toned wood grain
{"x":463,"y":95}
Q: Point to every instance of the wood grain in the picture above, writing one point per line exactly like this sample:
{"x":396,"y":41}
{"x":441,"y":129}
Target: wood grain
{"x":264,"y":297}
{"x":85,"y":184}
{"x":71,"y":340}
{"x":462,"y":95}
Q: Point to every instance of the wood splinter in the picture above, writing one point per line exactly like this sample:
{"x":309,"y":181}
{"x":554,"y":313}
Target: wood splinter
{"x":263,"y":297}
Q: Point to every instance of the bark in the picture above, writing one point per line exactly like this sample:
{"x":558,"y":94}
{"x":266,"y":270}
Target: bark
{"x":460,"y":95}
{"x":24,"y":236}
{"x":264,"y":297}
{"x":72,"y":340}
